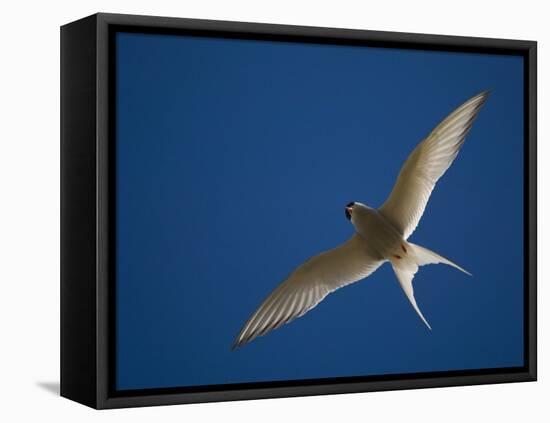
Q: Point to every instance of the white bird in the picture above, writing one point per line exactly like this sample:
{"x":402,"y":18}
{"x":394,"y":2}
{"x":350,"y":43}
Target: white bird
{"x":380,"y":234}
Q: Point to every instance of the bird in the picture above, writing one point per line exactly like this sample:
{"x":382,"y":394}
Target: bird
{"x":381,"y":234}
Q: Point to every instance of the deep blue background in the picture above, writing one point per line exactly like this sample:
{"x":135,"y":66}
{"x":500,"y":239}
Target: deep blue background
{"x":235,"y":160}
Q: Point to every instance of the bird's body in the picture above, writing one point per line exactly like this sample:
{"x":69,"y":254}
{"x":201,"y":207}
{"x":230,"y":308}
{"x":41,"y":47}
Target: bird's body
{"x":383,"y":238}
{"x":381,"y":235}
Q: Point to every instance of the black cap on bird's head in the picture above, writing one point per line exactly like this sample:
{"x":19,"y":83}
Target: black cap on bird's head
{"x":349,"y":209}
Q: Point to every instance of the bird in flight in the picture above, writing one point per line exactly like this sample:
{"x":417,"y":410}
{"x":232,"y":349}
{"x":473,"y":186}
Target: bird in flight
{"x":380,"y":234}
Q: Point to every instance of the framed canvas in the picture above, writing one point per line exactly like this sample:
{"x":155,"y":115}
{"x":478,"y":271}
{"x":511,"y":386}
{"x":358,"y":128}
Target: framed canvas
{"x":245,"y":208}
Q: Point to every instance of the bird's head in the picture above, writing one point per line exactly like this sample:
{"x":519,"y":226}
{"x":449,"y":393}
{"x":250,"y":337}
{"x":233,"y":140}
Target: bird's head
{"x":355,"y":209}
{"x":349,"y":210}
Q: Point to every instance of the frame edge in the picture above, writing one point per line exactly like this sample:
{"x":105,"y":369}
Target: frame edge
{"x":78,"y":216}
{"x":531,"y":122}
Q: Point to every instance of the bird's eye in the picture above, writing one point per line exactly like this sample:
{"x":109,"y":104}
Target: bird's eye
{"x":348,"y":210}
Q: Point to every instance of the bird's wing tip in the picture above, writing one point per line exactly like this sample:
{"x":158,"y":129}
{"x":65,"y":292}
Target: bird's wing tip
{"x":483,"y":95}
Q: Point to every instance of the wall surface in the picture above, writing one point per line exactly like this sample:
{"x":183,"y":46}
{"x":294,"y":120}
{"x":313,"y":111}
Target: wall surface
{"x":29,"y":216}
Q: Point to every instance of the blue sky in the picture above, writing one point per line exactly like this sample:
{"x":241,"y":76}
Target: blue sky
{"x":235,"y":159}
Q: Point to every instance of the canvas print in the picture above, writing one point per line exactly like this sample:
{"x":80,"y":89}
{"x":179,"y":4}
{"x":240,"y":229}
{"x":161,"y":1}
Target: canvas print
{"x":256,"y":177}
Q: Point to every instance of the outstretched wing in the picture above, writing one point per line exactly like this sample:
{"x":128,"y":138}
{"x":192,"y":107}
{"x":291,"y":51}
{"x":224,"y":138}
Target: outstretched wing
{"x":426,"y":164}
{"x":309,"y":284}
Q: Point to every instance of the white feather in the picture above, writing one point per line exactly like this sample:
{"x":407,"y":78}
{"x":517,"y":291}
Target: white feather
{"x":309,"y":284}
{"x":426,"y":164}
{"x":386,"y":230}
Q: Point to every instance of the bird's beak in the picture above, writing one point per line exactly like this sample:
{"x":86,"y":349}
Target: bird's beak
{"x":349,"y":209}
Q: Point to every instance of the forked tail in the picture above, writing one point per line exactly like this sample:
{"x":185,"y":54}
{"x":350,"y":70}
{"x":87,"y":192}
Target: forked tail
{"x":406,"y":266}
{"x":424,"y":256}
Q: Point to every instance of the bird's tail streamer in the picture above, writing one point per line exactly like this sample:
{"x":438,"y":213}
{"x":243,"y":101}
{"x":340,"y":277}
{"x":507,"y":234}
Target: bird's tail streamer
{"x":406,"y":265}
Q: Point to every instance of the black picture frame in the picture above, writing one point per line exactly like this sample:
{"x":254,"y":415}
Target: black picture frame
{"x":87,"y":198}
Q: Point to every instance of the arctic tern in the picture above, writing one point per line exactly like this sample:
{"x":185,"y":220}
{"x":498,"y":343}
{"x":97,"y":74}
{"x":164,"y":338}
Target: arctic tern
{"x":380,"y":234}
